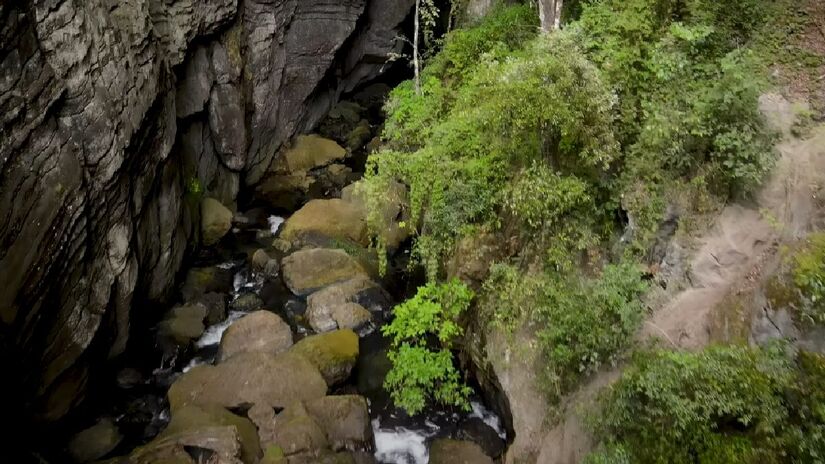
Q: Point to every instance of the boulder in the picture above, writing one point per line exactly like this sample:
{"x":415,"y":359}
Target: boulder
{"x":284,"y":191}
{"x":202,"y":280}
{"x":95,"y":442}
{"x":183,"y":323}
{"x":333,"y":353}
{"x":309,"y":152}
{"x":333,"y":218}
{"x":446,"y":451}
{"x":392,"y":205}
{"x":215,"y":304}
{"x":359,"y":135}
{"x":192,"y":418}
{"x":220,"y":444}
{"x":249,"y":378}
{"x":308,"y":270}
{"x":349,"y":315}
{"x":474,"y":429}
{"x":359,"y":290}
{"x":264,"y":265}
{"x":216,"y":220}
{"x":247,"y":302}
{"x":296,"y":432}
{"x":341,"y":120}
{"x":345,"y":420}
{"x":261,"y":331}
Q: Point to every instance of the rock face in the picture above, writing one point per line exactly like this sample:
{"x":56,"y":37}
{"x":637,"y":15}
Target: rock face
{"x":118,"y":118}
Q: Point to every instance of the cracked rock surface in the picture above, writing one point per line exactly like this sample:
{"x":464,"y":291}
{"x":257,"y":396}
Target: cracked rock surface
{"x":116,"y":116}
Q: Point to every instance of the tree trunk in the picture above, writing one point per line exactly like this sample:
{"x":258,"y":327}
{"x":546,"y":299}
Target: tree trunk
{"x":550,"y":14}
{"x":415,"y":48}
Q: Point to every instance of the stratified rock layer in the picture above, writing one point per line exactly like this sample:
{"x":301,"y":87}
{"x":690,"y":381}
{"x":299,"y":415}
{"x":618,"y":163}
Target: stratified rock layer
{"x":117,"y":119}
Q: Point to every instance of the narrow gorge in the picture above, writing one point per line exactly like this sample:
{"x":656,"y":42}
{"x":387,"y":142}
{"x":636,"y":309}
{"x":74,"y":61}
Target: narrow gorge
{"x":412,"y":231}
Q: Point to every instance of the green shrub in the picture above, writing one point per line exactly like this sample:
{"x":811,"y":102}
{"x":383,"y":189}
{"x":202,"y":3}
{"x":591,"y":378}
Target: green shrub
{"x":721,"y":405}
{"x":421,"y":334}
{"x":581,"y":323}
{"x":809,"y":276}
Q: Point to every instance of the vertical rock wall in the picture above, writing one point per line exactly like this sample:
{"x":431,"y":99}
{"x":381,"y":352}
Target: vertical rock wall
{"x":116,"y":115}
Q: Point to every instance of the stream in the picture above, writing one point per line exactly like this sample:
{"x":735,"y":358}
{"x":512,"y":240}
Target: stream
{"x":141,"y":411}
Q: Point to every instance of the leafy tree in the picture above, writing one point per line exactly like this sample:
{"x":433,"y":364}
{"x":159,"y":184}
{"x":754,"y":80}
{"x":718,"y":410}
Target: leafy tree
{"x":421,"y":333}
{"x":721,"y":405}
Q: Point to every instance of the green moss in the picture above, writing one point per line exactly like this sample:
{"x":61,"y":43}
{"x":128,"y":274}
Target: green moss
{"x":731,"y":322}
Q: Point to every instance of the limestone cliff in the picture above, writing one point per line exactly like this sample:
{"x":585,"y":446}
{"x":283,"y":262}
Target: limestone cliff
{"x":114,"y":114}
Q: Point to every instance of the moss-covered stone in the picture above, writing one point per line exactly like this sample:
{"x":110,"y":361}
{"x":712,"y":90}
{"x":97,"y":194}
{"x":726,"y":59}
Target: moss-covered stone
{"x":333,"y":353}
{"x":731,"y":318}
{"x":333,"y":218}
{"x":308,"y":270}
{"x":308,"y":152}
{"x":216,"y":220}
{"x":193,"y":417}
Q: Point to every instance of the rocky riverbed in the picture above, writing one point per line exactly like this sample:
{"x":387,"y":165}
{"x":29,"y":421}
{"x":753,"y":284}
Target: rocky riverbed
{"x":273,"y":352}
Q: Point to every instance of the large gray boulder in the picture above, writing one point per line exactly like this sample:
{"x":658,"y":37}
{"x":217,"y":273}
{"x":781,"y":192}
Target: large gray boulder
{"x":249,"y":378}
{"x":95,"y":442}
{"x":261,"y":331}
{"x":306,"y":271}
{"x":216,"y":220}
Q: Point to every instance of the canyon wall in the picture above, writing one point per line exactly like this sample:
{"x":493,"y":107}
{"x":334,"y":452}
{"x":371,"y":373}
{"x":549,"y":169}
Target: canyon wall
{"x":116,"y":116}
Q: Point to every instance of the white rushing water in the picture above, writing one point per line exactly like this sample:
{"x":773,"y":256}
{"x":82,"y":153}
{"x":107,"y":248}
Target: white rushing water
{"x":400,"y":445}
{"x":489,"y":417}
{"x":275,"y":223}
{"x":213,"y":333}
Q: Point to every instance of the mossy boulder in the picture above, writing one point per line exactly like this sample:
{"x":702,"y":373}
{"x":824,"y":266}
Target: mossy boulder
{"x":309,"y":152}
{"x":333,"y":353}
{"x":202,"y":280}
{"x":345,"y":420}
{"x":184,"y":323}
{"x":95,"y":442}
{"x":393,"y":209}
{"x":446,"y":451}
{"x":260,"y":331}
{"x":191,"y":418}
{"x":308,"y":270}
{"x":216,"y":220}
{"x":249,"y":378}
{"x":334,"y":218}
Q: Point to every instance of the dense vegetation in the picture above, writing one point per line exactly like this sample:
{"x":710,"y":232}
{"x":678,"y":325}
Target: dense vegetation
{"x":723,"y":405}
{"x":567,"y":148}
{"x":421,"y":334}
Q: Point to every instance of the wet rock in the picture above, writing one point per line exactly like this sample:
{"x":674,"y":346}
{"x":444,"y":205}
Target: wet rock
{"x":215,"y":304}
{"x":360,"y":290}
{"x":359,"y":135}
{"x":373,"y":95}
{"x":190,"y":419}
{"x":345,"y":420}
{"x":308,"y":270}
{"x":246,"y":303}
{"x":333,"y":353}
{"x":264,"y":265}
{"x":445,"y":451}
{"x":202,"y":280}
{"x":128,"y":378}
{"x":249,"y":378}
{"x":333,"y":218}
{"x":95,"y":442}
{"x":472,"y":257}
{"x":341,"y":120}
{"x":184,"y":324}
{"x":324,"y":318}
{"x":216,"y":220}
{"x":260,"y":331}
{"x":477,"y":431}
